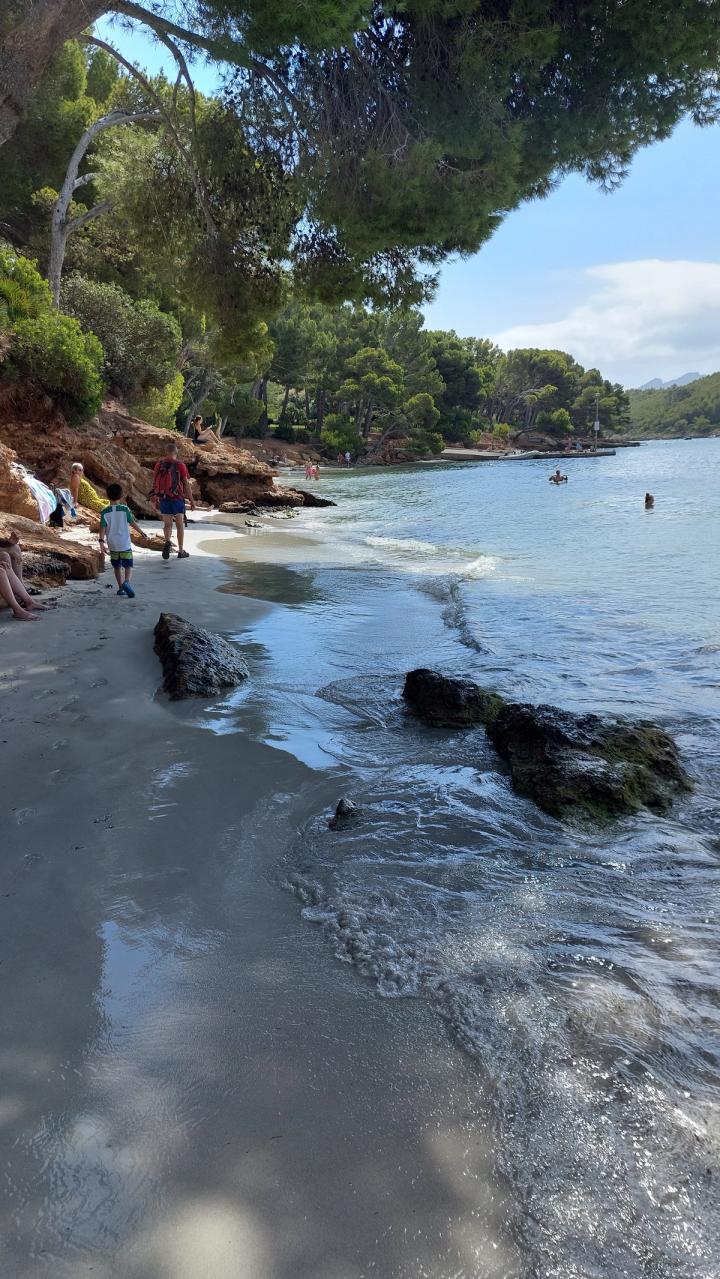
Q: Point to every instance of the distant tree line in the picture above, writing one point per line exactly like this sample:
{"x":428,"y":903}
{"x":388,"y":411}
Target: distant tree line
{"x":673,"y":411}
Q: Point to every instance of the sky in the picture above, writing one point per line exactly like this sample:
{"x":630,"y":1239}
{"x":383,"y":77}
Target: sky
{"x":627,"y":282}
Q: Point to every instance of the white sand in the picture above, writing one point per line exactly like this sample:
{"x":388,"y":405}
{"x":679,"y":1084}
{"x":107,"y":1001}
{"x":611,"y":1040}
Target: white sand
{"x":192,"y":1087}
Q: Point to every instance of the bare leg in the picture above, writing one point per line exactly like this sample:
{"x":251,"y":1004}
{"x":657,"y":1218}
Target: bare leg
{"x":117,"y":570}
{"x":18,"y":588}
{"x":6,"y":590}
{"x":16,"y":560}
{"x":167,"y":527}
{"x":180,"y":526}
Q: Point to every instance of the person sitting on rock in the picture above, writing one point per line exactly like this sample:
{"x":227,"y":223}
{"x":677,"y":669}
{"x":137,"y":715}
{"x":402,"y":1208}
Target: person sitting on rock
{"x":13,"y":591}
{"x":76,"y":473}
{"x":203,"y":434}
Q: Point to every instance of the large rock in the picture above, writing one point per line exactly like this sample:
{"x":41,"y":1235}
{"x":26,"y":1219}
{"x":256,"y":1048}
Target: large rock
{"x":79,"y":561}
{"x":116,"y":446}
{"x":195,"y":662}
{"x":15,"y":496}
{"x":449,"y":702}
{"x":584,"y":764}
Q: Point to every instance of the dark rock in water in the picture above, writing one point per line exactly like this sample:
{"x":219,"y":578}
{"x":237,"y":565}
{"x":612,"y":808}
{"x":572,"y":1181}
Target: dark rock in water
{"x":345,"y":812}
{"x":584,"y":764}
{"x":195,"y":662}
{"x":449,"y":702}
{"x":237,"y":508}
{"x":281,"y":496}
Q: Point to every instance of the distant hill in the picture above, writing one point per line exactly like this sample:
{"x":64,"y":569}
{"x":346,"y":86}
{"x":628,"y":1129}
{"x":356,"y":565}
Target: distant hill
{"x":657,"y":384}
{"x":689,"y":406}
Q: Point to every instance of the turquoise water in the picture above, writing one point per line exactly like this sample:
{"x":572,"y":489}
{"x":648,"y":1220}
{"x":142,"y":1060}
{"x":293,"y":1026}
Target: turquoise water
{"x":579,"y":968}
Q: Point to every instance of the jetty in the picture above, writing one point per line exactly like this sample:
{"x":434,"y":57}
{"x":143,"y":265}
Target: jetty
{"x":519,"y":455}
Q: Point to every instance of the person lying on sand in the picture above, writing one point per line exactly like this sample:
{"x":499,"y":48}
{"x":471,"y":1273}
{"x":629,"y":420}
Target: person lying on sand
{"x":13,"y":591}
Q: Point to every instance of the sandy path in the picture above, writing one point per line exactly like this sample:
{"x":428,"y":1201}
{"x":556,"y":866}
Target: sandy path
{"x":191,"y":1087}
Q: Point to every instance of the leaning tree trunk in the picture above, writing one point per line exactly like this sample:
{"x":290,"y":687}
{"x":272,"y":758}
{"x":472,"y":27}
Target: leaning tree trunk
{"x":28,"y":44}
{"x":62,"y":226}
{"x":283,"y":410}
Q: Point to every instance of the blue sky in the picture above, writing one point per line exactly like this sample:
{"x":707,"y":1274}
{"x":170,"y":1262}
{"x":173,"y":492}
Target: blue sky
{"x":629,"y":282}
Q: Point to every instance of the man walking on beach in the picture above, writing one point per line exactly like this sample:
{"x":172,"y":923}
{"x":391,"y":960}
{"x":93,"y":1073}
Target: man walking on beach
{"x":171,"y":489}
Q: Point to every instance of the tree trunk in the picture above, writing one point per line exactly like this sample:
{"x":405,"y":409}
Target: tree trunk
{"x":368,"y":421}
{"x":62,"y":225}
{"x":27,"y":46}
{"x":320,"y":409}
{"x":283,"y":410}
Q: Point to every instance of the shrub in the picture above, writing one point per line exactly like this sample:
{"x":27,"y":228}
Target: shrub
{"x":141,"y":344}
{"x":285,"y":432}
{"x":556,"y":422}
{"x":159,"y":405}
{"x":53,"y":350}
{"x":23,"y":292}
{"x":502,"y":430}
{"x":339,"y":435}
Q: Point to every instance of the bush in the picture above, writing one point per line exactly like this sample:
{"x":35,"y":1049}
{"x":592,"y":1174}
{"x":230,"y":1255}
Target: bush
{"x":285,"y":432}
{"x":141,"y":344}
{"x":23,"y":292}
{"x":339,"y":435}
{"x":53,"y":350}
{"x":158,"y":406}
{"x":502,"y":430}
{"x":556,"y":422}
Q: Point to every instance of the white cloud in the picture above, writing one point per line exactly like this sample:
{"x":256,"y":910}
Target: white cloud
{"x":643,"y":319}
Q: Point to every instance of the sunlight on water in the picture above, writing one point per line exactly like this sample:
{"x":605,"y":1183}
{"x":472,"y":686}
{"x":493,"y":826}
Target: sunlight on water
{"x":578,"y":968}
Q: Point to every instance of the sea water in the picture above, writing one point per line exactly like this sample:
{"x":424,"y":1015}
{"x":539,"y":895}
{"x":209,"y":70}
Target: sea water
{"x":578,"y":967}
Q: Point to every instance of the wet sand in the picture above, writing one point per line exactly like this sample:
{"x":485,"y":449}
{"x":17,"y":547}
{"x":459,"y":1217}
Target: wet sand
{"x":192,"y":1087}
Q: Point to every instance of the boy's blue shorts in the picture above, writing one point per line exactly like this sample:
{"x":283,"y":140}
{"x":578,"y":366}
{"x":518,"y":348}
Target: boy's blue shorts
{"x":172,"y":505}
{"x":123,"y":559}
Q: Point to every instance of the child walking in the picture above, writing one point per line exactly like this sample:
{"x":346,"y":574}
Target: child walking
{"x":115,"y":523}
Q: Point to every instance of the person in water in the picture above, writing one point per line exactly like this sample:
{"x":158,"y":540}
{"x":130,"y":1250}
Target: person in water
{"x":649,"y":501}
{"x":558,"y":477}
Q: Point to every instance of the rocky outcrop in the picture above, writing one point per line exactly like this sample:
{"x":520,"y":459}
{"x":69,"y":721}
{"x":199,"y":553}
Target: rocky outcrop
{"x":195,"y":662}
{"x":346,"y":813}
{"x":115,"y":446}
{"x":49,"y":557}
{"x":15,"y":497}
{"x":451,"y":703}
{"x":277,"y":497}
{"x":583,"y":763}
{"x":570,"y":765}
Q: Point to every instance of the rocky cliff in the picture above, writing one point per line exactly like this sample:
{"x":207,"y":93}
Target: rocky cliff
{"x":117,"y":446}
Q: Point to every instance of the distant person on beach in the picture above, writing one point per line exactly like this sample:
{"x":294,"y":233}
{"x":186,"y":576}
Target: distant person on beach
{"x":115,"y":523}
{"x":203,"y":434}
{"x":171,"y":489}
{"x":308,"y":470}
{"x":76,"y":473}
{"x":340,"y":459}
{"x":348,"y":458}
{"x":316,"y":472}
{"x":649,"y":501}
{"x":15,"y":593}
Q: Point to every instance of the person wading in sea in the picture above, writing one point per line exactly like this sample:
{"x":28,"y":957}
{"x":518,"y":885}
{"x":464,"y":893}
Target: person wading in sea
{"x":171,"y":489}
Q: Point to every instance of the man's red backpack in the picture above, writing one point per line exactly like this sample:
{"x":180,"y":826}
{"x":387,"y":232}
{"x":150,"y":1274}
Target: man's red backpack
{"x":167,"y":482}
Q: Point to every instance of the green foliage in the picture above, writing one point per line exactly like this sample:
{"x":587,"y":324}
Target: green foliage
{"x":141,"y":344}
{"x":555,"y":421}
{"x":159,"y":405}
{"x":45,"y":347}
{"x":285,"y":432}
{"x":693,"y":409}
{"x":23,"y":292}
{"x":52,"y":350}
{"x":501,"y":430}
{"x":339,"y":435}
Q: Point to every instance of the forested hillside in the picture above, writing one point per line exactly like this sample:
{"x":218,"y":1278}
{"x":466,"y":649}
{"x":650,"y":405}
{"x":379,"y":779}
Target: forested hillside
{"x":261,"y":256}
{"x":677,"y":410}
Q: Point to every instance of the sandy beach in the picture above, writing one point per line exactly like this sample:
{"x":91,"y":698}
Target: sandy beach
{"x":192,"y":1087}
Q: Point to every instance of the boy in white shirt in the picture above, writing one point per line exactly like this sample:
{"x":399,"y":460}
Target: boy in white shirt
{"x":115,"y":523}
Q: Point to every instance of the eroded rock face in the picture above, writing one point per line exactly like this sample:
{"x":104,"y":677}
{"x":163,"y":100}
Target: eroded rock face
{"x":449,"y":702}
{"x":81,"y":562}
{"x":195,"y":662}
{"x":586,"y":764}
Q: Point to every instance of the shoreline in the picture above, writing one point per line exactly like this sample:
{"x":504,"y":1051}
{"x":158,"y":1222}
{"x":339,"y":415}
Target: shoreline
{"x":193,"y":1085}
